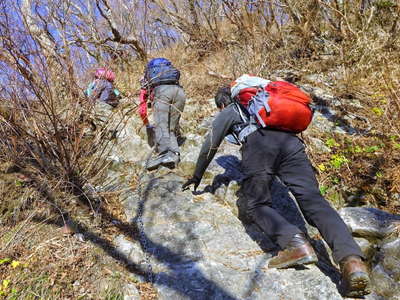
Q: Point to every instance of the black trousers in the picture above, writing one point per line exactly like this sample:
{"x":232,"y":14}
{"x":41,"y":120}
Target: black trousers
{"x":267,"y":153}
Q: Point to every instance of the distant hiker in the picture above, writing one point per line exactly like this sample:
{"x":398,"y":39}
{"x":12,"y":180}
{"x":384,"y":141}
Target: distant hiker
{"x":161,"y":91}
{"x":102,"y":93}
{"x":251,"y":112}
{"x":102,"y":87}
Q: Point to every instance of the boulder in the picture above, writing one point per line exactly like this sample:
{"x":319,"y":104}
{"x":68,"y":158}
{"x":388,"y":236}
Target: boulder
{"x":369,"y":222}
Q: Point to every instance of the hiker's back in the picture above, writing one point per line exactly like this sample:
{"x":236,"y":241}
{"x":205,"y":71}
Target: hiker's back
{"x":279,"y":104}
{"x":161,"y":71}
{"x":160,"y":84}
{"x":102,"y":88}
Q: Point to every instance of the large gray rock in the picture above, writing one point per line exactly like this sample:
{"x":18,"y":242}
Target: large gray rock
{"x":194,"y":246}
{"x":385,"y":275}
{"x":198,"y":249}
{"x":370,"y":223}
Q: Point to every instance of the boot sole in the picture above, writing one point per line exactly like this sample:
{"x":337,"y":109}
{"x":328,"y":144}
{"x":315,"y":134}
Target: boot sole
{"x":169,"y":165}
{"x":310,"y":259}
{"x":152,"y":168}
{"x":358,"y":285}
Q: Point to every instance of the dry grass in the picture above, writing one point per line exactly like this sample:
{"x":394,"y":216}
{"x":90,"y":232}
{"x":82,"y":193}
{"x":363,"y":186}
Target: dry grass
{"x":52,"y":265}
{"x":39,"y":260}
{"x":359,"y":60}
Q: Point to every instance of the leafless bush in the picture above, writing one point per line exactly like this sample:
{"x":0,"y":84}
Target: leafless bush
{"x":46,"y":122}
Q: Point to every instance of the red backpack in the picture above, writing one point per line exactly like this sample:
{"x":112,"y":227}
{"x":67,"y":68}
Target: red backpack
{"x":279,"y":105}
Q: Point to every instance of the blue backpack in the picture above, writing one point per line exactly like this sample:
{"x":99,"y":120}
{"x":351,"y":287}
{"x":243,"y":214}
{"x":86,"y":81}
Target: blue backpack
{"x":161,"y":71}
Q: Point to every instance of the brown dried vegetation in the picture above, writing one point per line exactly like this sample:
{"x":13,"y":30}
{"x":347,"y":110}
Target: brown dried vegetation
{"x":49,"y":151}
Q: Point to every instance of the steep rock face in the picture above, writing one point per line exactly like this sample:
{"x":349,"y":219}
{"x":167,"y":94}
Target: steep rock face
{"x":194,"y":246}
{"x":198,"y":249}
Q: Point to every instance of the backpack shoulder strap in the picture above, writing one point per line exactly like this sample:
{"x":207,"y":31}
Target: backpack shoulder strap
{"x":242,"y":111}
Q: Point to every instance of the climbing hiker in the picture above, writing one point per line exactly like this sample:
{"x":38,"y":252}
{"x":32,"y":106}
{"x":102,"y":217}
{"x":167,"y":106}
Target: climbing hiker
{"x":102,"y":87}
{"x":161,"y":91}
{"x":251,"y":112}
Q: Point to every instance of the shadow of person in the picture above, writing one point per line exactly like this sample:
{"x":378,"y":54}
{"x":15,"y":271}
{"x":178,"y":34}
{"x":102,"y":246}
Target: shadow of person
{"x":233,"y":172}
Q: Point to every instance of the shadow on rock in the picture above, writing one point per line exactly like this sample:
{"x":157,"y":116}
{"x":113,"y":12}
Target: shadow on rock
{"x":177,"y":265}
{"x":233,"y":172}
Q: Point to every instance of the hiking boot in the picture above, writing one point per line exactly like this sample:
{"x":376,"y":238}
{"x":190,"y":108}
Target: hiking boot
{"x":355,"y":276}
{"x":154,"y":163}
{"x":167,"y":159}
{"x":171,"y":160}
{"x":298,"y":252}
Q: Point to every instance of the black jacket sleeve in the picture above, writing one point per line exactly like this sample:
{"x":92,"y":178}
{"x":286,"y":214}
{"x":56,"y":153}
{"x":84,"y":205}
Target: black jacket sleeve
{"x":221,"y":127}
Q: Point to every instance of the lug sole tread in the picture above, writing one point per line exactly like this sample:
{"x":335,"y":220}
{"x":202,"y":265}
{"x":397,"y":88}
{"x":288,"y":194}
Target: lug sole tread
{"x":310,"y":259}
{"x":358,"y":285}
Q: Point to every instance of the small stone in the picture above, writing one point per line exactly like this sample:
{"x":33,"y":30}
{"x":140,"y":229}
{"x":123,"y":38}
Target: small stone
{"x":320,"y":145}
{"x":131,"y":292}
{"x":76,"y":283}
{"x":80,"y":237}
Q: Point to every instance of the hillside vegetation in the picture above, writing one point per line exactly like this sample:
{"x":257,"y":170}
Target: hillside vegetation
{"x":48,"y":49}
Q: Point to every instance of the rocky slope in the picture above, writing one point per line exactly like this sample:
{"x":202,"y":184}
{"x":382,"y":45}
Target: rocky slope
{"x":195,"y":246}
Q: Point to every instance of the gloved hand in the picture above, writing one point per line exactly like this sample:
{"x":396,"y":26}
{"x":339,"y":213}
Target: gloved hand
{"x":191,"y":181}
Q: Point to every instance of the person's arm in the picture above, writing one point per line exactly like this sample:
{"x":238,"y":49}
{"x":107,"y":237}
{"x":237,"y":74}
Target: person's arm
{"x":143,"y":106}
{"x":220,"y":128}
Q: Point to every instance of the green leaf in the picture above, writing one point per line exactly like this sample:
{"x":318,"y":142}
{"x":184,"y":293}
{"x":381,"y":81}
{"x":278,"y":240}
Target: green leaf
{"x":15,"y":263}
{"x":331,"y":143}
{"x":371,"y":149}
{"x":323,"y":189}
{"x":337,"y":160}
{"x":6,"y":283}
{"x":5,"y":260}
{"x":358,"y":149}
{"x":378,"y":111}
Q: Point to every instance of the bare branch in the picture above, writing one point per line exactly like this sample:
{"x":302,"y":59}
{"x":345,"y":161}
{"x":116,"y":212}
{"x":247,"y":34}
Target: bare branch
{"x":117,"y":37}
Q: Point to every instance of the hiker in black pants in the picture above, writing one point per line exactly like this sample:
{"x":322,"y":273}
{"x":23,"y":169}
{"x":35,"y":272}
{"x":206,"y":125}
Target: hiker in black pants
{"x":267,"y":153}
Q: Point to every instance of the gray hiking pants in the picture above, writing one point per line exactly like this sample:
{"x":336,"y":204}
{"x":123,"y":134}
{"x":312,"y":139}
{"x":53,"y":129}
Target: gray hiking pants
{"x":169,"y":102}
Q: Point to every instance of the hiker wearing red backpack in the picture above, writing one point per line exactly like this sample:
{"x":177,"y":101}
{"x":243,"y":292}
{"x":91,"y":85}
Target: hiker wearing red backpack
{"x":264,"y":117}
{"x":161,"y":90}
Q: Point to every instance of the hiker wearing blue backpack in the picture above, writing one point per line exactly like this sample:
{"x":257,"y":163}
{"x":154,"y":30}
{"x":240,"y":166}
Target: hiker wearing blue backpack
{"x":161,"y":91}
{"x":102,"y":87}
{"x":264,"y":117}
